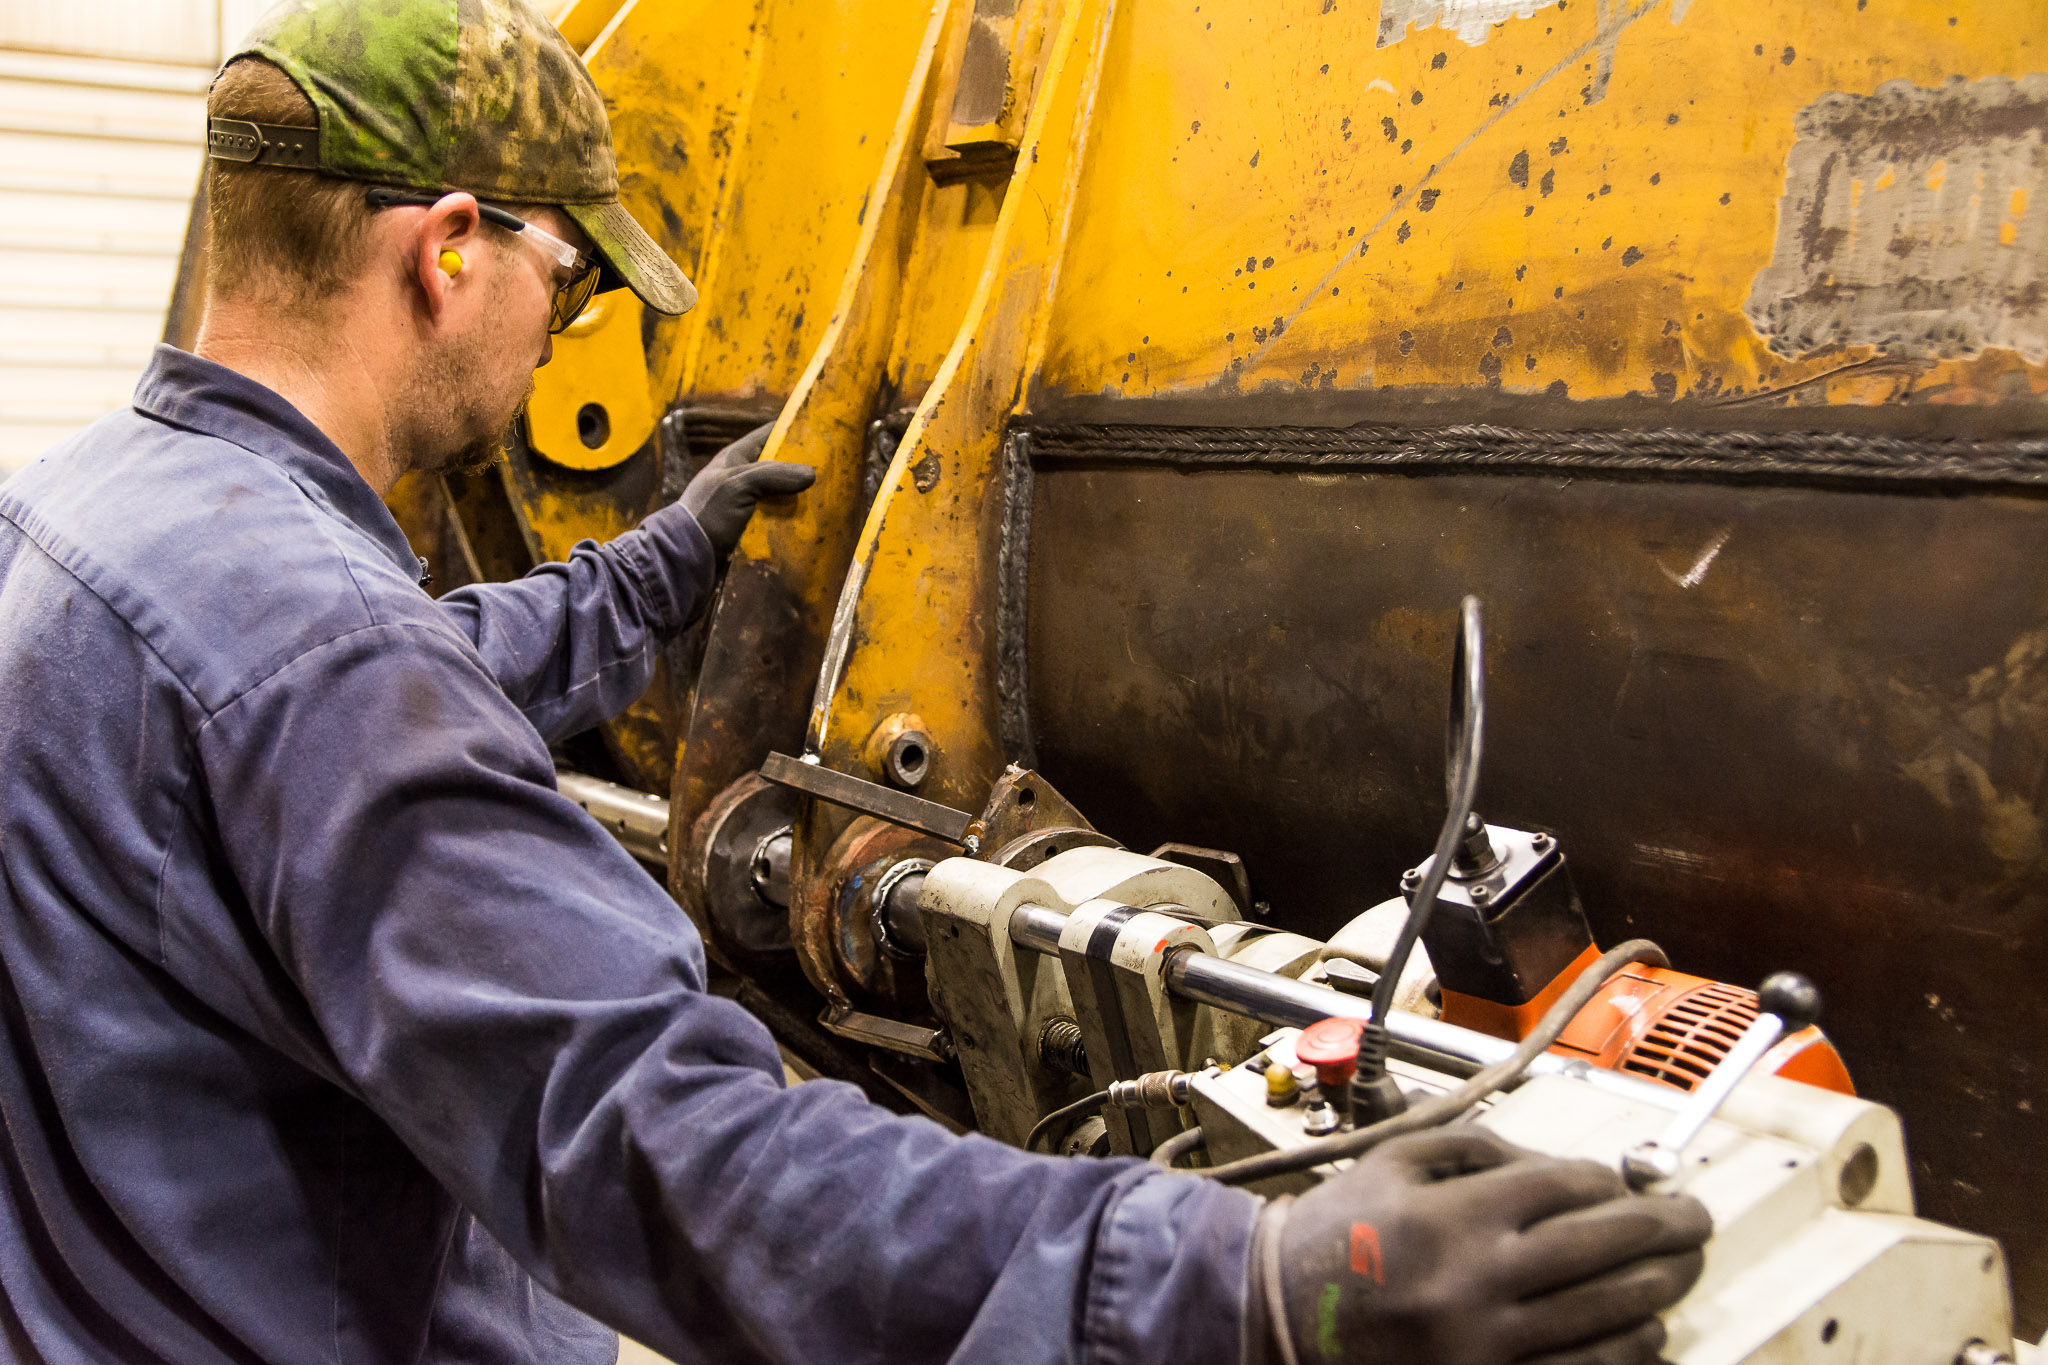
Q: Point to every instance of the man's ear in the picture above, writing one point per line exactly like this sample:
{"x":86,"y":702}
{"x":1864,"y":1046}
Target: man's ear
{"x":445,"y":249}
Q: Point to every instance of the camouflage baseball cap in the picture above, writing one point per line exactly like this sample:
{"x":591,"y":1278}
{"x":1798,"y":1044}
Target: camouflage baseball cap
{"x":440,"y":95}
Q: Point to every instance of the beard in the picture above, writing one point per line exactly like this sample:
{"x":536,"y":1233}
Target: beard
{"x":444,"y":452}
{"x":478,"y":457}
{"x":461,"y":406}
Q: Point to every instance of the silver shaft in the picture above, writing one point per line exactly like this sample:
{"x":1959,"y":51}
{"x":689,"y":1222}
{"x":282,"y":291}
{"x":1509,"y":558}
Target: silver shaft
{"x":1210,"y":980}
{"x":635,"y":819}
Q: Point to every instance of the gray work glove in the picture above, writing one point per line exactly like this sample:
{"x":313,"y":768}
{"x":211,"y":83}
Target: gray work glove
{"x":1454,"y":1247}
{"x":723,"y":494}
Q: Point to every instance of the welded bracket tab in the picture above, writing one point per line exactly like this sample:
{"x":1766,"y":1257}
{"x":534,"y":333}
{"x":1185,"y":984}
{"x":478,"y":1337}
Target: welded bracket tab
{"x":1113,"y":957}
{"x":992,"y":65}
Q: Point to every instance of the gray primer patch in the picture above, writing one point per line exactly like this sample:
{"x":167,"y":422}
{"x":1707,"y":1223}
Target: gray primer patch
{"x":1913,"y":220}
{"x":1469,"y":19}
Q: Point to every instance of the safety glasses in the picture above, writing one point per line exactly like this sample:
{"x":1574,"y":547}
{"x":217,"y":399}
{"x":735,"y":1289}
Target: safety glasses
{"x":571,"y":297}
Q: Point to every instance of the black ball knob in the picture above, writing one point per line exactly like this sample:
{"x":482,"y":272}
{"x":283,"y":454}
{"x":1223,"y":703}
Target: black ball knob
{"x":1792,"y":998}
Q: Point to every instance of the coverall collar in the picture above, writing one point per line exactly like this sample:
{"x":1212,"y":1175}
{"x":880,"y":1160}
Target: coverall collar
{"x":189,"y":391}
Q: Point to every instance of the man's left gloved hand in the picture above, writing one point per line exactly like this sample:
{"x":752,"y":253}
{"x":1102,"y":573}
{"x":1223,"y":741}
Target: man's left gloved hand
{"x":723,"y":494}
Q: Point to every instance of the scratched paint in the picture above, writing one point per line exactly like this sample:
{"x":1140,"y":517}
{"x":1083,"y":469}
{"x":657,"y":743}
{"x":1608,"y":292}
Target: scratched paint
{"x":1913,"y":220}
{"x":1469,"y":19}
{"x":1697,"y":574}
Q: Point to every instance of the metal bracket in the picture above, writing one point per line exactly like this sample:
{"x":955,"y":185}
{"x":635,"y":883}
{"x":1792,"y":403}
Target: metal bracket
{"x":930,"y":1044}
{"x":1113,"y":957}
{"x":870,"y":798}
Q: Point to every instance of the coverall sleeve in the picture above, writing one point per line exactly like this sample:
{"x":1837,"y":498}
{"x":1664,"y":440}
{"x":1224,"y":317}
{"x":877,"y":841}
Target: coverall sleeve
{"x":575,"y":643}
{"x":526,"y":1010}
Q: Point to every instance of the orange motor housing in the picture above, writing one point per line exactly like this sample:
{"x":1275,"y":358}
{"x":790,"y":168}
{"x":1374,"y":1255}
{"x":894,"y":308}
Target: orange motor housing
{"x":1659,"y":1024}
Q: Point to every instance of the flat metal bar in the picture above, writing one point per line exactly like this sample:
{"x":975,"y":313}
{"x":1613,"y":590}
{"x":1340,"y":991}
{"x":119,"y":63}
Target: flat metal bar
{"x":869,"y":798}
{"x":635,"y":819}
{"x":932,"y":1045}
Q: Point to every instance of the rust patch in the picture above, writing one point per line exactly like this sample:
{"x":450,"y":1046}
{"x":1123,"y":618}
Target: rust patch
{"x":1978,"y":753}
{"x":1913,"y":220}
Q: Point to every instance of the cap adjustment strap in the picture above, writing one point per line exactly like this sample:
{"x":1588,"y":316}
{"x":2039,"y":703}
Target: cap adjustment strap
{"x":229,"y":139}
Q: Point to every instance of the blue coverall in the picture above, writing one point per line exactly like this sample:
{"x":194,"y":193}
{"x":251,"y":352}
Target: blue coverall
{"x":330,"y":1031}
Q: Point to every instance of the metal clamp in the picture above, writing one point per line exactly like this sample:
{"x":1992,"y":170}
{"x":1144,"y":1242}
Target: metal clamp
{"x":1790,"y":1003}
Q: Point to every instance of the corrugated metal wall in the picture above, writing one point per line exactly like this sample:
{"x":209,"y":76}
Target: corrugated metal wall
{"x":102,"y":114}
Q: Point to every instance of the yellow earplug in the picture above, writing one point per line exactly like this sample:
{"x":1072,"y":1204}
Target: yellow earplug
{"x":450,"y":263}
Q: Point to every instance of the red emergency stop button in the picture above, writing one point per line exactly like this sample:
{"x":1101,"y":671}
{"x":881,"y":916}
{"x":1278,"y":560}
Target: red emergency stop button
{"x":1331,"y":1047}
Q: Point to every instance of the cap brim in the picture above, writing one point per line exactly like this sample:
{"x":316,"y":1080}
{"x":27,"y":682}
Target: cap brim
{"x":631,"y":255}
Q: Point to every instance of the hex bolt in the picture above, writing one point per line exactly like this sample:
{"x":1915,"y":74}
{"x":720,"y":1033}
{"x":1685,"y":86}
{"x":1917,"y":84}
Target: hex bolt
{"x":1321,"y":1119}
{"x":1481,"y":895}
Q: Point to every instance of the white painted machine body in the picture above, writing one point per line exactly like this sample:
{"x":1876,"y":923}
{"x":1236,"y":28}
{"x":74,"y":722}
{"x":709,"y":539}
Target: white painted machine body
{"x":1816,"y":1259}
{"x":1796,"y":1274}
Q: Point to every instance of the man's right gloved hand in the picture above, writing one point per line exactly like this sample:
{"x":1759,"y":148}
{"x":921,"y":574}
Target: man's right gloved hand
{"x":1455,"y":1247}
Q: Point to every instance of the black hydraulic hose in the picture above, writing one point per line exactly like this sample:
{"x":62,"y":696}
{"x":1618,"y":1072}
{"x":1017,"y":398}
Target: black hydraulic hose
{"x":1442,"y":1109}
{"x":1464,"y":743}
{"x":1058,"y":1116}
{"x":1176,"y":1147}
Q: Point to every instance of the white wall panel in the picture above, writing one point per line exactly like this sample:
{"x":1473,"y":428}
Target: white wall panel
{"x":87,"y":337}
{"x":236,"y":18}
{"x":99,"y":158}
{"x":151,"y":30}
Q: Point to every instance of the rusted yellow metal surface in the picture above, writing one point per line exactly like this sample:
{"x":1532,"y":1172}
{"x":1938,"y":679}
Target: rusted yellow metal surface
{"x":1576,"y":200}
{"x":897,"y":308}
{"x":751,"y":133}
{"x":915,"y":623}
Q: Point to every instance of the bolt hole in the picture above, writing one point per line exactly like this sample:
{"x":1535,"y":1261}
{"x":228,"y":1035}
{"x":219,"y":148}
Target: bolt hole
{"x":1026,"y":798}
{"x":1828,"y":1330}
{"x":1859,"y":1175}
{"x":909,"y":759}
{"x":593,"y":425}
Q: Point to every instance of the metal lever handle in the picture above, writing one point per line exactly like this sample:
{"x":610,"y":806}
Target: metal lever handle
{"x":1790,"y":1003}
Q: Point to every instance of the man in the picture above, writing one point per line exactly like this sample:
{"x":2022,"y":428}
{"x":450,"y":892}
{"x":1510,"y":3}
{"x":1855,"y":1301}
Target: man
{"x":329,"y":1031}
